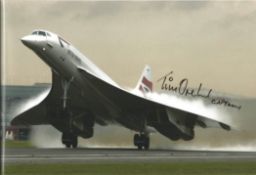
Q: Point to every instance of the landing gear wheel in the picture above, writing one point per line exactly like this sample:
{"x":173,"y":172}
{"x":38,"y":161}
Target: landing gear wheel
{"x":69,"y":140}
{"x":146,"y":143}
{"x":74,"y":142}
{"x":141,"y":141}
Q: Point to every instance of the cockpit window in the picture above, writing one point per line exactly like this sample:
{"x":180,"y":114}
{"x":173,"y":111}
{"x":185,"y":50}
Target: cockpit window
{"x":41,"y":33}
{"x":34,"y":33}
{"x":48,"y":34}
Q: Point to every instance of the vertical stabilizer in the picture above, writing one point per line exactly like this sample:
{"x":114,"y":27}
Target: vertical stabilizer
{"x":145,"y":84}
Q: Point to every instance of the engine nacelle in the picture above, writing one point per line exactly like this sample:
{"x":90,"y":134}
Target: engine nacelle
{"x":175,"y":124}
{"x":185,"y":122}
{"x":77,"y":123}
{"x":83,"y":124}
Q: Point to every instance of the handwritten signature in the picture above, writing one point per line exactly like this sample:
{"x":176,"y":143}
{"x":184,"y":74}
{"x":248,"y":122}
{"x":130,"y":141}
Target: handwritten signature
{"x":183,"y":89}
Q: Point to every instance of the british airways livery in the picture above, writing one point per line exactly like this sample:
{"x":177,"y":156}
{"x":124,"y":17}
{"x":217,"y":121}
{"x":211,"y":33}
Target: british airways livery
{"x":82,"y":95}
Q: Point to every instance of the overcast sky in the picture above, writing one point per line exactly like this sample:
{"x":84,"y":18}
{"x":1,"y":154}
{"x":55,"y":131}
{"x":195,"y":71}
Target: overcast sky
{"x":213,"y":43}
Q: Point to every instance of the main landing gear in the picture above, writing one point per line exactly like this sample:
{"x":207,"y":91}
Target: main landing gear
{"x":141,"y":141}
{"x":69,"y":139}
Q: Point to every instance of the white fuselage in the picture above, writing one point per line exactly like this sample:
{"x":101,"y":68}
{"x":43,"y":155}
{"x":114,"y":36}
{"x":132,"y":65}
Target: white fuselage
{"x":65,"y":60}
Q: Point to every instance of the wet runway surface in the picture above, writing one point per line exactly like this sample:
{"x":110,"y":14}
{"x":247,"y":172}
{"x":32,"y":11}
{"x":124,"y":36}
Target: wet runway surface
{"x":84,"y":155}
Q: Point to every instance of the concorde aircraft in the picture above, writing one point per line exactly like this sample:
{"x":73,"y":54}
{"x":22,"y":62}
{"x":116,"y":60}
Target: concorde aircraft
{"x":83,"y":95}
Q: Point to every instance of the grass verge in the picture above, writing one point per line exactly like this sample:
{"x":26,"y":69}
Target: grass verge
{"x":18,"y":144}
{"x":180,"y":168}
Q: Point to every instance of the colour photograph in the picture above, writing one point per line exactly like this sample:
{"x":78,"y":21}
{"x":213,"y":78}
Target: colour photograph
{"x":128,"y":87}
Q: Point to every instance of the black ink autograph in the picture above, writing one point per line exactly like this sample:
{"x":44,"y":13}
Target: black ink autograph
{"x":183,"y":89}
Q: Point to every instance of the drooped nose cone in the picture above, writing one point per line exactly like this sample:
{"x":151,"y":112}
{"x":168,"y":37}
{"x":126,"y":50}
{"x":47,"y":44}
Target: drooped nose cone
{"x":28,"y":41}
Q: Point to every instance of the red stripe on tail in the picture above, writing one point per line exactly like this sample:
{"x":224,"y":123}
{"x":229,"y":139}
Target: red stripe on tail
{"x":147,"y":83}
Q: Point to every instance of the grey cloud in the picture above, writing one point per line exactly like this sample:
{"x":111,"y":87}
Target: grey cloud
{"x":190,"y":5}
{"x":238,"y":20}
{"x":89,"y":10}
{"x":80,"y":10}
{"x":172,"y":5}
{"x":105,"y":8}
{"x":84,"y":10}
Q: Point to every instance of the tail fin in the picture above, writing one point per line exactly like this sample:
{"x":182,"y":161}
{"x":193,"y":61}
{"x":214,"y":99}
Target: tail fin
{"x":145,"y":82}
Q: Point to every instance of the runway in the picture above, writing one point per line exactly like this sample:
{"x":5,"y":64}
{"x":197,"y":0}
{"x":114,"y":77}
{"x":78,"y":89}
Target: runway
{"x":84,"y":155}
